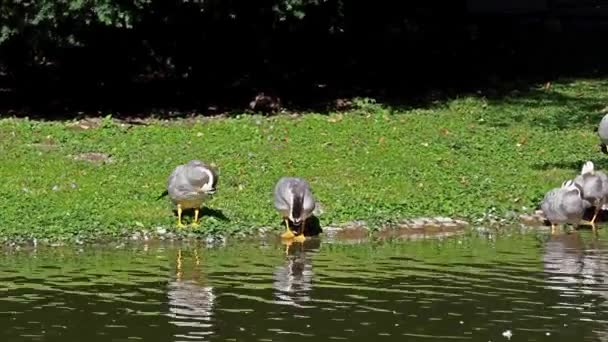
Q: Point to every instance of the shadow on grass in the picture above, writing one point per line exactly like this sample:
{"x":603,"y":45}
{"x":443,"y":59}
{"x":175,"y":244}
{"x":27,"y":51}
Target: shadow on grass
{"x":551,"y":109}
{"x":600,"y":163}
{"x":560,"y":111}
{"x":204,"y":211}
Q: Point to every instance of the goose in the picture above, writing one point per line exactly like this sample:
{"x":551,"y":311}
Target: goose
{"x":189,"y":185}
{"x":594,"y":187}
{"x":564,"y":205}
{"x":293,"y":199}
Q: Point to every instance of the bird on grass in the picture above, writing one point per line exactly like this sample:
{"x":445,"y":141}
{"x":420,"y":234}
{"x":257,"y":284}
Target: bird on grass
{"x":564,"y":205}
{"x":594,"y":185}
{"x":602,"y":131}
{"x":189,"y":185}
{"x":293,"y":199}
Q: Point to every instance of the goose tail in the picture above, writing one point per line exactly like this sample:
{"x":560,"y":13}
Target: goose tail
{"x":165,"y":193}
{"x":567,"y":184}
{"x":587,"y":168}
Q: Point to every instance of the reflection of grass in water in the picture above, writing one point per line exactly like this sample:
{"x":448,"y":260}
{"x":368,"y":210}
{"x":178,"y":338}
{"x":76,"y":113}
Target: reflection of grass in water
{"x":368,"y":282}
{"x":459,"y":158}
{"x":113,"y":275}
{"x":482,"y":263}
{"x":454,"y":255}
{"x":66,"y":267}
{"x":242,"y":261}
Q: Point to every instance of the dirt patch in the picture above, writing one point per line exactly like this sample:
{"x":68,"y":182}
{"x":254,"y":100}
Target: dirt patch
{"x":419,"y":228}
{"x":98,"y":122}
{"x":353,"y":233}
{"x":536,"y":218}
{"x":427,"y":232}
{"x":46,"y":144}
{"x":86,"y":124}
{"x":94,"y":157}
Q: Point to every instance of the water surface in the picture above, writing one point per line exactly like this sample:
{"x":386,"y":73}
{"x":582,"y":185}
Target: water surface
{"x":524,"y":287}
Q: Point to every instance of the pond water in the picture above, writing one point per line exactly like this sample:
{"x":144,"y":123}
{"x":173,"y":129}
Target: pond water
{"x":522,"y":287}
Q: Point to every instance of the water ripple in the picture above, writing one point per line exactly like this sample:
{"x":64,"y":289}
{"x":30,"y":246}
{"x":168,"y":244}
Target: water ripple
{"x":446,"y":290}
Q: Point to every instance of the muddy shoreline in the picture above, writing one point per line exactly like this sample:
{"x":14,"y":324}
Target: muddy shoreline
{"x":348,"y":233}
{"x":356,"y":231}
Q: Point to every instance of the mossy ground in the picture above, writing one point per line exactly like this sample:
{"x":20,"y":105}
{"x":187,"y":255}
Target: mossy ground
{"x":459,"y":158}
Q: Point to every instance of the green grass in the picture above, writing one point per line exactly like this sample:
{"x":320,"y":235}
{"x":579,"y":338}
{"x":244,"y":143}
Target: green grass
{"x":463,"y":157}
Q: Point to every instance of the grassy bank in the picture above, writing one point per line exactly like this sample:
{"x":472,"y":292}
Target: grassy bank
{"x":462,"y":157}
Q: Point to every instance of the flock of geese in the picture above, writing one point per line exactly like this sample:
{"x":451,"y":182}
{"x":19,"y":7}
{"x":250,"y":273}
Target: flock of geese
{"x":568,"y":203}
{"x":190,"y":184}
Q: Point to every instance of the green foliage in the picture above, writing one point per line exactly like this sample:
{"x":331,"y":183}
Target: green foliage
{"x":91,"y":44}
{"x":394,"y":164}
{"x":49,"y":19}
{"x":295,"y":8}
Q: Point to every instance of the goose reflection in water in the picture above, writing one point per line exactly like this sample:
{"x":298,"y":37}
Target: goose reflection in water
{"x":293,"y":280}
{"x":190,"y":302}
{"x":575,"y":268}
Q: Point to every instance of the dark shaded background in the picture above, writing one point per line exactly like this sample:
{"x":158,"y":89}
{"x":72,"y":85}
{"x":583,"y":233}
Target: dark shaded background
{"x":184,"y":57}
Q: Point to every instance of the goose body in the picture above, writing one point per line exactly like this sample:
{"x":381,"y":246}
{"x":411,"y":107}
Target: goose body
{"x":294,"y":200}
{"x":189,"y":185}
{"x":564,"y":205}
{"x":594,"y":186}
{"x":602,"y":131}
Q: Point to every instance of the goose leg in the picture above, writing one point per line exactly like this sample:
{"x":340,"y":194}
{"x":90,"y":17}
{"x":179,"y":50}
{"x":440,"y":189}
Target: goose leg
{"x":597,"y":210}
{"x":179,"y":216}
{"x":195,"y":223}
{"x":287,"y":234}
{"x":587,"y":223}
{"x":301,"y":237}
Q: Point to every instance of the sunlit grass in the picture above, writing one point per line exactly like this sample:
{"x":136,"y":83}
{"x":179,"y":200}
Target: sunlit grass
{"x":460,"y":158}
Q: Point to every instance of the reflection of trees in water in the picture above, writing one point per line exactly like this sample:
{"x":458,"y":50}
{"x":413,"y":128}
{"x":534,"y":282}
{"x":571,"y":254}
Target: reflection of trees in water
{"x":293,"y":280}
{"x":190,"y":302}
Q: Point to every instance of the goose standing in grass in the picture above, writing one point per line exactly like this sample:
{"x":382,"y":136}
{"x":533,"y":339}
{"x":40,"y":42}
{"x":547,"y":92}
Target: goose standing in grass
{"x":602,"y":131}
{"x":293,"y":199}
{"x":189,"y":185}
{"x":564,"y":205}
{"x":594,"y":185}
